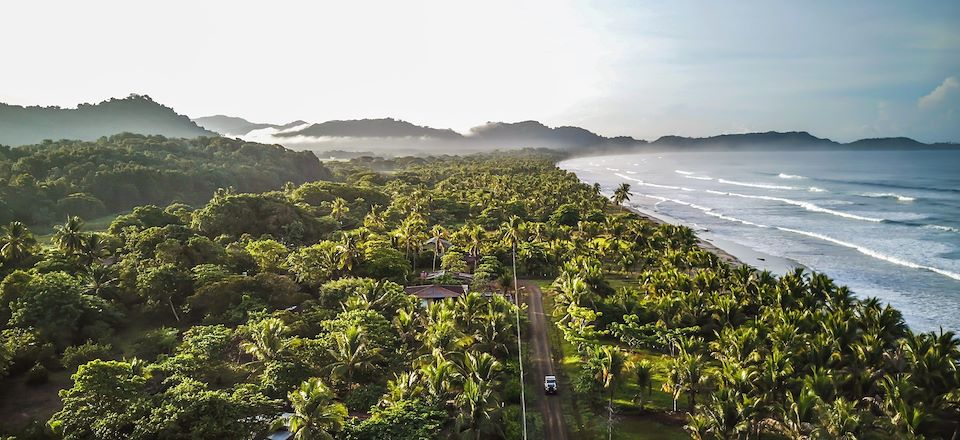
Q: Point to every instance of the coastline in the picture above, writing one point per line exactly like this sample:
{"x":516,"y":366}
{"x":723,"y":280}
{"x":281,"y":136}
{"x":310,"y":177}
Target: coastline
{"x":733,"y":253}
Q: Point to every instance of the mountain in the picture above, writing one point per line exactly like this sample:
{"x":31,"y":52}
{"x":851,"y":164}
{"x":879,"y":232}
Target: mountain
{"x":372,"y":128}
{"x":535,"y":134}
{"x":134,"y":114}
{"x":794,"y":140}
{"x":234,"y":126}
{"x":790,"y":139}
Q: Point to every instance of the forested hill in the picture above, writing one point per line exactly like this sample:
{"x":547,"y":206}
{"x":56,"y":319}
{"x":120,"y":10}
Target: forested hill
{"x":43,"y":183}
{"x":134,"y":114}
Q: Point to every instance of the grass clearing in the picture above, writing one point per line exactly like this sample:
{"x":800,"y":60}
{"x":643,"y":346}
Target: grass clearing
{"x":584,"y":421}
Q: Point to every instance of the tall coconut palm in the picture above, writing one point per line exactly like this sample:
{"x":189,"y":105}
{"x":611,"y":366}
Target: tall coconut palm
{"x":474,"y":243}
{"x":644,"y":374}
{"x":511,"y":231}
{"x":608,"y":363}
{"x":479,"y":410}
{"x":351,"y":355}
{"x":621,"y":194}
{"x":93,"y":249}
{"x":315,"y":414}
{"x":16,"y":243}
{"x":339,"y":209}
{"x":439,"y":236}
{"x":68,"y":236}
{"x":266,"y":340}
{"x":348,"y":252}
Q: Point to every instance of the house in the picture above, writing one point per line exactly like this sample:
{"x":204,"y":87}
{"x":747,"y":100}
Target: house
{"x":442,"y":274}
{"x":437,"y":292}
{"x":283,"y":431}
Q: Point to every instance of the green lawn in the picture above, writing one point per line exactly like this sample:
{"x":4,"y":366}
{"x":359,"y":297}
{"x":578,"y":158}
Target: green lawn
{"x":584,"y":422}
{"x":44,"y":234}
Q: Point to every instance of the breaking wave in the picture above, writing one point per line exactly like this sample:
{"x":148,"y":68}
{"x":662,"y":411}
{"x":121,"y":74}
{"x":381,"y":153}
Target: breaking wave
{"x":805,"y":205}
{"x":754,"y":185}
{"x":685,"y":173}
{"x":789,"y":176}
{"x":873,"y":253}
{"x":653,"y":185}
{"x":899,"y":197}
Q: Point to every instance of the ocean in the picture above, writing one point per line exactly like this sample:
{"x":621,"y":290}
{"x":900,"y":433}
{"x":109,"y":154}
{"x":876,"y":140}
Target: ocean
{"x":884,"y":223}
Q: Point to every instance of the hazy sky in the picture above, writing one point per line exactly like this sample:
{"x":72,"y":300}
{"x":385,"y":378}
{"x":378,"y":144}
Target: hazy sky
{"x":837,"y":69}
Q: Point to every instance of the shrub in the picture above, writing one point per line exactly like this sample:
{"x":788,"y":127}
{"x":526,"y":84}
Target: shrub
{"x":78,"y":355}
{"x":156,"y":342}
{"x":38,"y":375}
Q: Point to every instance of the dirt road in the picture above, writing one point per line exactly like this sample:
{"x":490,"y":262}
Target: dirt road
{"x":553,"y":427}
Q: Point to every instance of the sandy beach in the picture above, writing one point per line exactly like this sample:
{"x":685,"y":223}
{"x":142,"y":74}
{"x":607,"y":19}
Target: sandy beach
{"x":729,"y":251}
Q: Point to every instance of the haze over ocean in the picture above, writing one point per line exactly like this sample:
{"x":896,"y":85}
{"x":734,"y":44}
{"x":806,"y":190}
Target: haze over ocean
{"x":885,"y":223}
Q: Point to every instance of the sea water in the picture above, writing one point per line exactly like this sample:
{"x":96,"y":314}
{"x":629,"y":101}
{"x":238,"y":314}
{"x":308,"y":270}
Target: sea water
{"x":884,"y":223}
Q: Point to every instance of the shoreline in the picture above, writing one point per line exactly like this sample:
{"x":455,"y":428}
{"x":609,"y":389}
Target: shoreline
{"x":730,"y":252}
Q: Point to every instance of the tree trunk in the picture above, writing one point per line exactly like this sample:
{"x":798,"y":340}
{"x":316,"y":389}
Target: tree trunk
{"x":610,"y":416}
{"x":173,"y":309}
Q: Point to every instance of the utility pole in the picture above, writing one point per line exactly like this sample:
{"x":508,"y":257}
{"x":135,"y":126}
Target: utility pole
{"x":516,"y":299}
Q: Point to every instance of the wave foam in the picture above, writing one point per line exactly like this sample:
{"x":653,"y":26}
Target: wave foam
{"x":863,"y":250}
{"x":816,"y":190}
{"x":653,"y":185}
{"x":873,"y":253}
{"x":900,"y":198}
{"x":685,"y":173}
{"x":805,"y":205}
{"x":699,"y":177}
{"x":789,"y":176}
{"x":754,"y":185}
{"x":704,"y":209}
{"x":942,"y":228}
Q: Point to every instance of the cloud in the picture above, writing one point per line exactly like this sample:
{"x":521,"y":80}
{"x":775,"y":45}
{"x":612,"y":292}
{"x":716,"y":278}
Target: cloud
{"x":948,"y":90}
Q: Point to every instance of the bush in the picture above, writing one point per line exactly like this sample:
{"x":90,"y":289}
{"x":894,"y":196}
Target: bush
{"x":156,"y":342}
{"x":362,"y":398}
{"x":38,"y":375}
{"x":25,"y":348}
{"x":78,"y":355}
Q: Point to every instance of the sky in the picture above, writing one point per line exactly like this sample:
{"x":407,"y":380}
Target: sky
{"x":844,"y":70}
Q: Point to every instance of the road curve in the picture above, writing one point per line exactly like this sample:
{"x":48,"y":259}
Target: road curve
{"x":553,"y":426}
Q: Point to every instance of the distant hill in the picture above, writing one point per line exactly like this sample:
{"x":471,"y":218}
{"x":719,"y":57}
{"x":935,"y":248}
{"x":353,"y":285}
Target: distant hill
{"x":234,"y":126}
{"x":535,"y":134}
{"x":134,"y":114}
{"x":795,"y":140}
{"x":372,"y":128}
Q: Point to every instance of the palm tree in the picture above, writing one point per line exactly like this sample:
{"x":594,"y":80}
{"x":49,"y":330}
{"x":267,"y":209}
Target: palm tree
{"x":266,"y":340}
{"x":511,"y":234}
{"x":97,"y":278}
{"x":404,"y":386}
{"x":339,"y":209}
{"x":608,"y":363}
{"x":410,"y":234}
{"x":644,"y":375}
{"x":621,"y":194}
{"x":68,"y":236}
{"x":315,"y":414}
{"x":479,"y":410}
{"x":374,"y":220}
{"x":439,"y":236}
{"x":16,"y":243}
{"x":93,"y":249}
{"x":351,"y":355}
{"x":348,"y":253}
{"x":474,"y":243}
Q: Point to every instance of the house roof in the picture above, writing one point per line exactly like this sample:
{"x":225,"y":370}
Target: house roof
{"x":435,"y":291}
{"x":441,"y":273}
